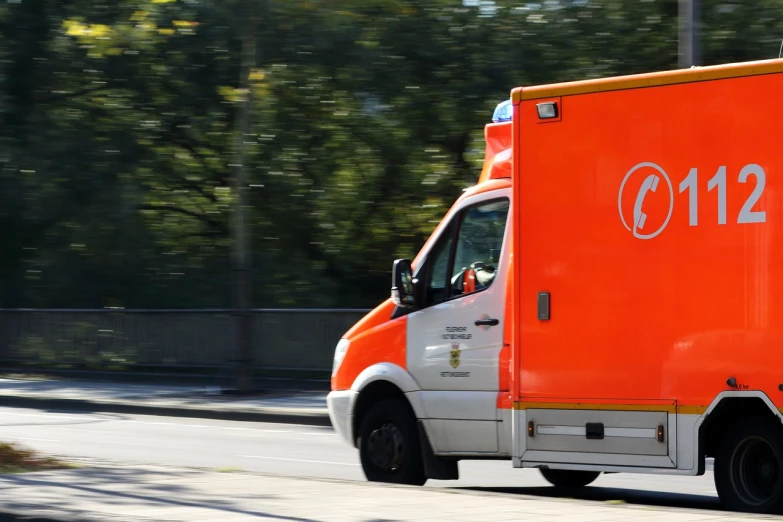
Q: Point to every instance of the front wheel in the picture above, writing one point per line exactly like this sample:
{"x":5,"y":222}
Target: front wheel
{"x":389,"y":445}
{"x":749,"y":467}
{"x":569,"y":478}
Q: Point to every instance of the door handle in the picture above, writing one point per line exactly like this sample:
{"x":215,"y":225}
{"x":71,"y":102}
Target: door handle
{"x":487,"y":322}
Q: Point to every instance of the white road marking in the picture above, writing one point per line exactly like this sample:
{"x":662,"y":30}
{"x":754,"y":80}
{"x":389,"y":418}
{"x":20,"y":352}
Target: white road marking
{"x":45,"y":416}
{"x":297,"y":460}
{"x":151,"y":423}
{"x":25,"y":439}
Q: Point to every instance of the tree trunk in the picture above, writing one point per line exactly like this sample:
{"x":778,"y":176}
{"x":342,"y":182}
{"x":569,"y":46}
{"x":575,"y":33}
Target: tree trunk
{"x":241,"y":239}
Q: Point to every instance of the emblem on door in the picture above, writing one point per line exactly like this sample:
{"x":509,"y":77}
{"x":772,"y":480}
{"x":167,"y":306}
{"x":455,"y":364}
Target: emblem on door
{"x":454,"y":358}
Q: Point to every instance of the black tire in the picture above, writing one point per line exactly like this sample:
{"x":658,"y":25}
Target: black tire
{"x":389,"y":445}
{"x":569,"y":478}
{"x":749,"y":467}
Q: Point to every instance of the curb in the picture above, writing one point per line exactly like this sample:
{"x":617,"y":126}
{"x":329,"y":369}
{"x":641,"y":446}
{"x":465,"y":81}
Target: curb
{"x":276,"y":416}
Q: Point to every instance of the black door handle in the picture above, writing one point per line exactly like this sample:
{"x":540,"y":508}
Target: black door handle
{"x":487,"y":322}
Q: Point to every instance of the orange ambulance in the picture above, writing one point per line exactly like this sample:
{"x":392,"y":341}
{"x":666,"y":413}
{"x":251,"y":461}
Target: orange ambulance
{"x":607,"y":298}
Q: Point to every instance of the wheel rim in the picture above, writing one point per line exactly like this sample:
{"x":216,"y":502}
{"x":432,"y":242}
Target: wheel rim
{"x":386,"y":447}
{"x":755,"y":471}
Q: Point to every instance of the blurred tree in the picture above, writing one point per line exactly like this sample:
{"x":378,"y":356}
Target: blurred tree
{"x":118,"y":124}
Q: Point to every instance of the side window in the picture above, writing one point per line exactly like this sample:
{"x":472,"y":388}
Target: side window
{"x":479,"y":244}
{"x":471,"y":264}
{"x":438,"y":269}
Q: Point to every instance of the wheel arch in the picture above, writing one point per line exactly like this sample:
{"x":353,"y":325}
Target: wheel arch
{"x":725,"y":409}
{"x":384,"y":381}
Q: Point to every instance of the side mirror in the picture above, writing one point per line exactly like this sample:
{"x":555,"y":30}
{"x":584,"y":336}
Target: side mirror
{"x":402,"y":284}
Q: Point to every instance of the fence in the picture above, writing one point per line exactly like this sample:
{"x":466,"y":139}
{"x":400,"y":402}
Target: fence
{"x":177,"y":341}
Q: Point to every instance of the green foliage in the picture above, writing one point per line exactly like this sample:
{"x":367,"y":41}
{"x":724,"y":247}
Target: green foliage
{"x":117,"y":124}
{"x":15,"y":458}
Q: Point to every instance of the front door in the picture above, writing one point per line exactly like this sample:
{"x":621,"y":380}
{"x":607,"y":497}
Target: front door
{"x":455,"y":338}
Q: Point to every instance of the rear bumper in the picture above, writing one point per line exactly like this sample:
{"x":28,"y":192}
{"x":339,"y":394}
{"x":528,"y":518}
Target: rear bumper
{"x":341,"y":406}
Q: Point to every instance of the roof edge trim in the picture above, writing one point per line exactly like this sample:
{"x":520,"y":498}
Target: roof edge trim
{"x":654,"y":79}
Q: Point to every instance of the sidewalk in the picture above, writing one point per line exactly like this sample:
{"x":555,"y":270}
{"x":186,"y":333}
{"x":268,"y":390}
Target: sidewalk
{"x":143,"y":493}
{"x":281,"y":405}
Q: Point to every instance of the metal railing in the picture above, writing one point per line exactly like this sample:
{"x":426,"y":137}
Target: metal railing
{"x":201,"y":340}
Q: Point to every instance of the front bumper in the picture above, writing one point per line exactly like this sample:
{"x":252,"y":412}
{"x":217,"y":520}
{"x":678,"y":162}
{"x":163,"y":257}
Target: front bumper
{"x":341,"y":406}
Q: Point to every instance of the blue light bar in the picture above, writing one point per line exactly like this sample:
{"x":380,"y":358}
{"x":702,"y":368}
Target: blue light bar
{"x":503,"y":112}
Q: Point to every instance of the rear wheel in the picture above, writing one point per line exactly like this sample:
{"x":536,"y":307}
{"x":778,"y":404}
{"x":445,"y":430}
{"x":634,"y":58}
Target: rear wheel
{"x":749,"y":467}
{"x":569,"y":478}
{"x":389,"y":445}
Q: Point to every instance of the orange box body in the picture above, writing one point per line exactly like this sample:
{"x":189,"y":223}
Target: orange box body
{"x":669,"y":317}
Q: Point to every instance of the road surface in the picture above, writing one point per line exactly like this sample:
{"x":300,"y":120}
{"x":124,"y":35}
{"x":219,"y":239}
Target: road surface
{"x":298,"y":451}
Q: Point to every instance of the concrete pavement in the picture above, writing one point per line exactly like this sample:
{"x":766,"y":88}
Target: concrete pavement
{"x":274,"y":405}
{"x":105,"y":491}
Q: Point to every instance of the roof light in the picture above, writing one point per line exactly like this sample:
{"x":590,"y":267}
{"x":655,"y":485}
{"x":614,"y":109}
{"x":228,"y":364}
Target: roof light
{"x":547,"y":110}
{"x":503,"y":112}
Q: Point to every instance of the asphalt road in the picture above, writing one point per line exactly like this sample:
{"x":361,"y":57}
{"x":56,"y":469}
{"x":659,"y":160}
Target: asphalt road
{"x":302,"y":451}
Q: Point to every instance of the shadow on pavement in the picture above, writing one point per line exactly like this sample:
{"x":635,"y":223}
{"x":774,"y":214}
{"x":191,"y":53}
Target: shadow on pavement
{"x":604,"y":494}
{"x":125,"y":489}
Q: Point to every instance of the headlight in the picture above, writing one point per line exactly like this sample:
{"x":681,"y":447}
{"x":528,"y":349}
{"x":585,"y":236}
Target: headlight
{"x":339,"y":354}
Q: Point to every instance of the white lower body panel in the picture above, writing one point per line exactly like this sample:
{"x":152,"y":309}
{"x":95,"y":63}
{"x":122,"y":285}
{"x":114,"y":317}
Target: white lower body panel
{"x":460,"y":422}
{"x":462,"y":436}
{"x":630,"y":442}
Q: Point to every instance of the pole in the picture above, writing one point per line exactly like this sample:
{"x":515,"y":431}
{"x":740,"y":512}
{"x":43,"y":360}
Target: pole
{"x":241,"y":243}
{"x":689,"y":17}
